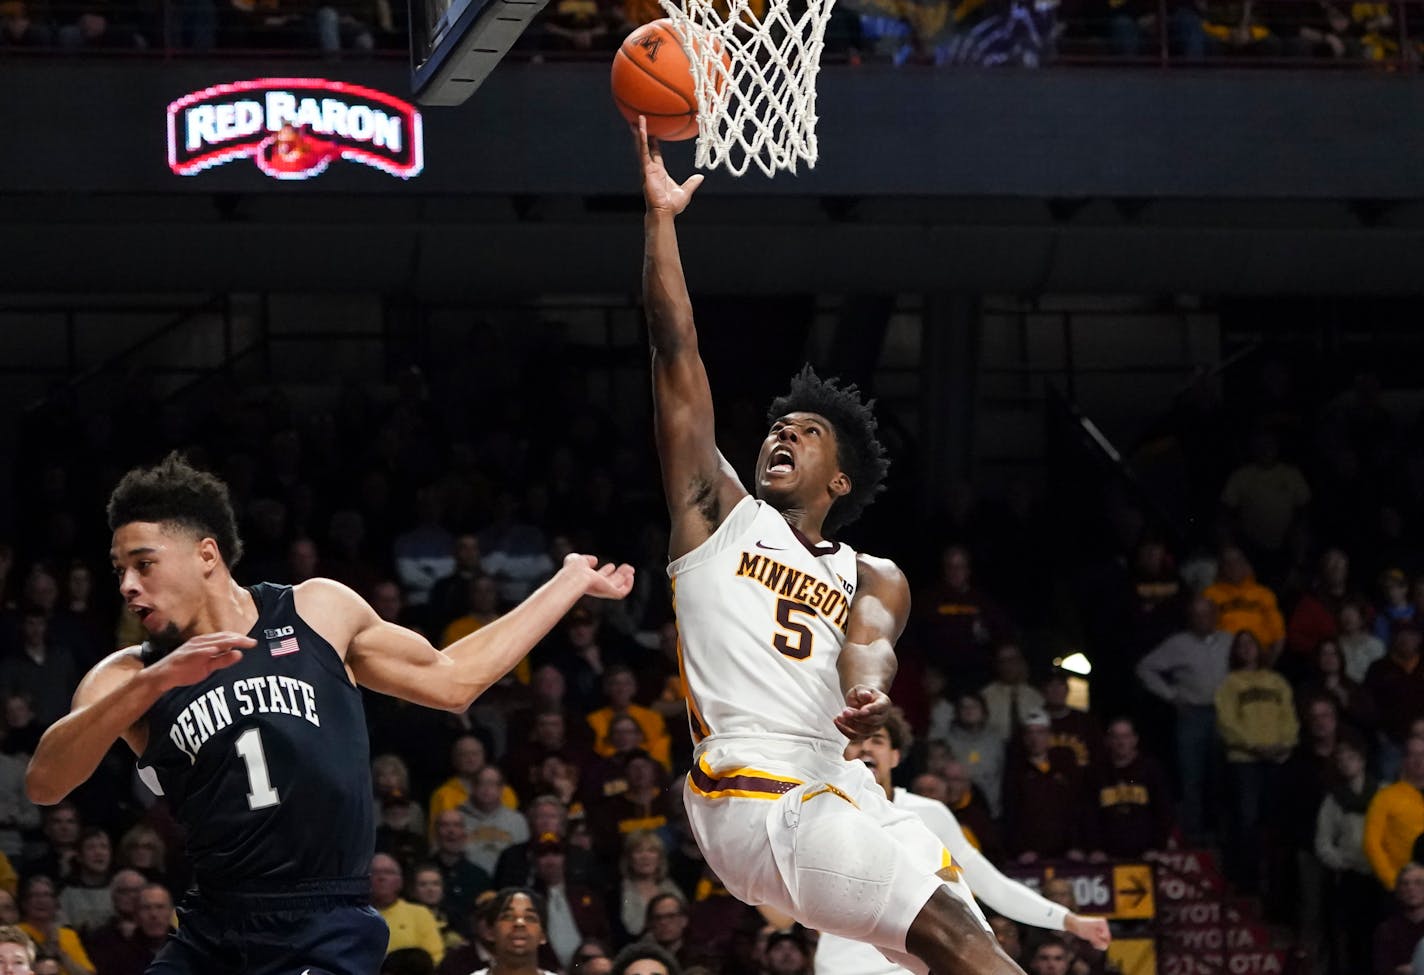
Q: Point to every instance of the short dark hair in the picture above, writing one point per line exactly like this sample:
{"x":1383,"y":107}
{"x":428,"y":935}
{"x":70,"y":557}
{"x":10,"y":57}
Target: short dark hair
{"x":174,"y":492}
{"x":501,"y":900}
{"x":1051,"y":940}
{"x":901,"y":737}
{"x":860,"y":455}
{"x":641,"y":950}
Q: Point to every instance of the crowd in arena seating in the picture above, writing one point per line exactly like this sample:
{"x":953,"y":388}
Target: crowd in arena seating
{"x":1256,"y":688}
{"x":1017,"y":32}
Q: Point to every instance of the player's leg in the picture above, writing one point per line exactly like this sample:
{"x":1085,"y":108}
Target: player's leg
{"x":339,"y":940}
{"x":195,"y":948}
{"x":947,"y":937}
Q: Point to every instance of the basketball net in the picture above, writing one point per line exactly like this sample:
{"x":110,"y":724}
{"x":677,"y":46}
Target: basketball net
{"x":758,"y":103}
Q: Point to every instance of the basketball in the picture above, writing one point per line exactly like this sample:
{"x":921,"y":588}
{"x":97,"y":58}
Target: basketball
{"x":652,"y":78}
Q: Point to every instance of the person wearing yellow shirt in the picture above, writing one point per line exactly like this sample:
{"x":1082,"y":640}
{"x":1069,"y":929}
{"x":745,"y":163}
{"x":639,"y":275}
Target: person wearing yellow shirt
{"x":619,"y":686}
{"x":1255,"y":716}
{"x":1242,"y":603}
{"x":467,"y":758}
{"x":412,"y":925}
{"x":39,"y":912}
{"x":1395,"y":817}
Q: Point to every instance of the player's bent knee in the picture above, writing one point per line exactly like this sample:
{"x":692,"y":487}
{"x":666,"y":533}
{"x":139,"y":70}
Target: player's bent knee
{"x":844,"y":865}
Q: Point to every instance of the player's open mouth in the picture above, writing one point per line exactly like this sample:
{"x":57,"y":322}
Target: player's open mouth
{"x":869,"y":762}
{"x":140,"y":611}
{"x":781,"y":461}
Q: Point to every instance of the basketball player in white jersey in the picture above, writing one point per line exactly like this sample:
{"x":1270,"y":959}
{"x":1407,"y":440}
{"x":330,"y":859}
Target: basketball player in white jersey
{"x":787,"y":643}
{"x":881,"y":753}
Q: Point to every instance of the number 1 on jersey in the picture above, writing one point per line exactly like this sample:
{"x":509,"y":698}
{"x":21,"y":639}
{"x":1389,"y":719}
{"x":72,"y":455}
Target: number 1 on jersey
{"x":801,"y":649}
{"x":260,"y":794}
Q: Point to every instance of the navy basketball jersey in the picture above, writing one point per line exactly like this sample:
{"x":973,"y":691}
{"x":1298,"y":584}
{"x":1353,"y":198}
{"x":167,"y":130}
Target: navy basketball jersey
{"x":266,"y":762}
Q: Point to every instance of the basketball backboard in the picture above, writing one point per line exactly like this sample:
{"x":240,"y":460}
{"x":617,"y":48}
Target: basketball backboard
{"x":455,"y":44}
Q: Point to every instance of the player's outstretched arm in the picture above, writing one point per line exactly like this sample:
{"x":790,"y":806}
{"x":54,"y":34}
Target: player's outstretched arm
{"x":701,"y":487}
{"x":110,"y":704}
{"x":867,"y":665}
{"x":400,"y":662}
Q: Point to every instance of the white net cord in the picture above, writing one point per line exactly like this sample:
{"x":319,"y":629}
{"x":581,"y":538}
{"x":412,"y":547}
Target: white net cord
{"x":757,"y":102}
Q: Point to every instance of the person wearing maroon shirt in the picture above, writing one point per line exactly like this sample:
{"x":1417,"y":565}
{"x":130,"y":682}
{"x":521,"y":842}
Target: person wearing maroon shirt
{"x":1076,"y":731}
{"x":1045,"y":808}
{"x":1317,"y":613}
{"x":155,"y":918}
{"x":549,"y":737}
{"x":1133,"y":794}
{"x":1397,"y":935}
{"x":1396,"y":683}
{"x":958,"y":625}
{"x":951,"y":785}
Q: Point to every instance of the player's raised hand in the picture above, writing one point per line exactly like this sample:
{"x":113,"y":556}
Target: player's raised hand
{"x":662,"y":192}
{"x":195,"y":660}
{"x":609,"y":582}
{"x":1093,"y":930}
{"x":866,"y":710}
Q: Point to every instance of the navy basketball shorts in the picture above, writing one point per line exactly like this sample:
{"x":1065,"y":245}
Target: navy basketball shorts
{"x":274,"y":936}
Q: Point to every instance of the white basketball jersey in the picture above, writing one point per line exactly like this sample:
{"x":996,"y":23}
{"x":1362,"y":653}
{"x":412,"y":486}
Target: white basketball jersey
{"x":762,"y":615}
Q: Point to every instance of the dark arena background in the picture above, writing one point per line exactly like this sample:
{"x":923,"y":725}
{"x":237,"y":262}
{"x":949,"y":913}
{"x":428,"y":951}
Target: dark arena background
{"x":1136,"y":287}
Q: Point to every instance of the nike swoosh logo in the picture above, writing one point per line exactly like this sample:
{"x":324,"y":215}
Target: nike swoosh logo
{"x":773,"y":548}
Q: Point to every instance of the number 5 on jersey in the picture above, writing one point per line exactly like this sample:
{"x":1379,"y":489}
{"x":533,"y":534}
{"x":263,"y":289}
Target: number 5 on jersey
{"x":260,"y":794}
{"x":792,"y":629}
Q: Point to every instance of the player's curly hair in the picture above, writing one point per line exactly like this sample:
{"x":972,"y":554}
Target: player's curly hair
{"x":174,"y":492}
{"x":901,"y":737}
{"x":860,"y":454}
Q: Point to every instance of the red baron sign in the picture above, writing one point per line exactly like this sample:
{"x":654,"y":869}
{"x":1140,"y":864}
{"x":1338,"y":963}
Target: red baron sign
{"x":293,"y":128}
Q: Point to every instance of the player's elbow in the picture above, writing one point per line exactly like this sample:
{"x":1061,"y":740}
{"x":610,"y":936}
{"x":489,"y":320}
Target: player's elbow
{"x":459,"y":698}
{"x":41,"y":786}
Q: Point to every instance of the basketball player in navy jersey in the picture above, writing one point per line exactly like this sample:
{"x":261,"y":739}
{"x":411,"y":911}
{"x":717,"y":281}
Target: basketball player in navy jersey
{"x":244,"y":710}
{"x":787,"y":647}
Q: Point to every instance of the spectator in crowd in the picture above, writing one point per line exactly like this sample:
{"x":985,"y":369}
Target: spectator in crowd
{"x":608,"y":776}
{"x":1326,"y":677}
{"x":303,"y":561}
{"x":641,"y":958}
{"x":1352,"y":894}
{"x":1244,"y":604}
{"x":427,"y":888}
{"x":952,"y":786}
{"x":478,"y":952}
{"x":1009,"y":696}
{"x":17,"y":951}
{"x":1265,"y":497}
{"x":574,"y":912}
{"x":515,"y":552}
{"x":155,"y":924}
{"x":584,"y":657}
{"x":1359,"y":646}
{"x":518,"y":921}
{"x":408,"y":961}
{"x":1315,"y":616}
{"x":1256,"y":718}
{"x":1304,"y":781}
{"x":1397,"y":935}
{"x":1006,"y":932}
{"x":1395,"y":817}
{"x":1083,"y":958}
{"x":1045,"y":807}
{"x":18,"y":30}
{"x":467,"y":758}
{"x":1395,"y":683}
{"x":642,"y":805}
{"x":85,"y":899}
{"x":450,"y":597}
{"x":422,"y":554}
{"x":116,"y":947}
{"x":1134,"y":803}
{"x":1397,"y":609}
{"x":39,"y":918}
{"x":463,"y":880}
{"x":493,"y":827}
{"x":1076,"y":731}
{"x":17,"y":814}
{"x":481,"y":609}
{"x":957,"y":624}
{"x":22,"y":729}
{"x":1185,"y":670}
{"x":786,"y":954}
{"x":60,"y":855}
{"x":939,"y":715}
{"x":619,"y":686}
{"x":548,"y":739}
{"x":644,"y":870}
{"x":412,"y":925}
{"x":144,"y":850}
{"x":666,"y":925}
{"x":978,"y":746}
{"x":43,"y":670}
{"x":390,"y":778}
{"x":591,"y":958}
{"x":546,"y":814}
{"x":1050,"y":957}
